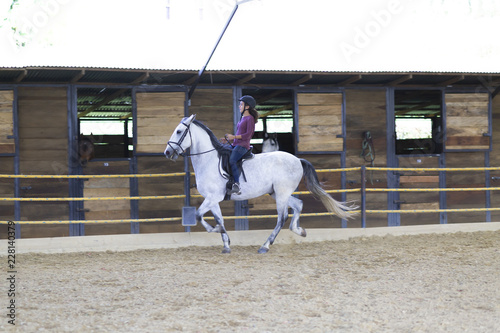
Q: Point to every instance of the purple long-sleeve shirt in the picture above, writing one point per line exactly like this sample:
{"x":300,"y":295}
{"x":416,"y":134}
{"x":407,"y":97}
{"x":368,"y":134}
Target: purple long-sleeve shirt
{"x":245,"y":128}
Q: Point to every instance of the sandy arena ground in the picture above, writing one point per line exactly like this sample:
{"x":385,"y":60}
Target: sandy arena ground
{"x":424,"y":283}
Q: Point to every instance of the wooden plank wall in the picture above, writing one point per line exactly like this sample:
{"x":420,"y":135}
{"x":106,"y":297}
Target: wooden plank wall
{"x":320,"y":121}
{"x":467,"y":121}
{"x":419,"y":200}
{"x":158,"y":114}
{"x":160,"y":186}
{"x":43,"y":149}
{"x":366,"y":111}
{"x":329,"y":181}
{"x":107,"y":187}
{"x":214,"y":107}
{"x":464,"y":179}
{"x":7,"y":145}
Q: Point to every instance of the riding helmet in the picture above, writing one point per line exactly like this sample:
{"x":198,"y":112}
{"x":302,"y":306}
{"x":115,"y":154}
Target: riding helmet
{"x":249,"y":100}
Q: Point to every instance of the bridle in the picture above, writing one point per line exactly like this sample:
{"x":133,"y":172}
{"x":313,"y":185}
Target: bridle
{"x":178,"y":143}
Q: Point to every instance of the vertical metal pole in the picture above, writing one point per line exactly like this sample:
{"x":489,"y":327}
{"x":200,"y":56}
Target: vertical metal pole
{"x":363,"y":196}
{"x":343,"y":182}
{"x":443,"y":217}
{"x":134,"y":182}
{"x":487,"y":184}
{"x":134,"y":191}
{"x":393,"y":219}
{"x":487,"y":157}
{"x":17,"y":181}
{"x":343,"y":177}
{"x":74,"y":168}
{"x":240,"y":207}
{"x":187,"y":176}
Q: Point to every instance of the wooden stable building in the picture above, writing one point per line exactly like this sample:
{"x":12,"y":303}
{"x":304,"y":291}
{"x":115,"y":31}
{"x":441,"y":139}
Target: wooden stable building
{"x":333,"y":119}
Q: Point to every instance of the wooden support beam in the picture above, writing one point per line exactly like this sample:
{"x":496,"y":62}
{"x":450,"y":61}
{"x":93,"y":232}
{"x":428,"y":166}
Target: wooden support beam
{"x":101,"y":103}
{"x":350,"y":80}
{"x":141,"y":78}
{"x":495,"y":92}
{"x":275,"y":111}
{"x":78,"y":76}
{"x":190,"y":81}
{"x":451,"y":81}
{"x":420,"y":106}
{"x":21,"y":76}
{"x":401,"y":80}
{"x":245,"y":79}
{"x":303,"y":79}
{"x":265,"y":98}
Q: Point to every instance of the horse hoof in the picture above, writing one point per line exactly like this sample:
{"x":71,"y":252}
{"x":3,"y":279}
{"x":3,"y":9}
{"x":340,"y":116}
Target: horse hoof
{"x":263,"y":250}
{"x":226,"y":250}
{"x":303,"y":233}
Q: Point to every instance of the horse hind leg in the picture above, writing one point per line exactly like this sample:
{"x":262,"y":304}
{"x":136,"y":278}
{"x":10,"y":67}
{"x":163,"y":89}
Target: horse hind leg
{"x":296,"y":205}
{"x":282,"y":217}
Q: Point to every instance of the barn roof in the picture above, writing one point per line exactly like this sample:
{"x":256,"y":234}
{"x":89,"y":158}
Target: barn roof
{"x":115,"y":101}
{"x":135,"y":76}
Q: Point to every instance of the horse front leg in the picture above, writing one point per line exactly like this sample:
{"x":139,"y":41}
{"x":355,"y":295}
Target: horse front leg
{"x":215,"y":208}
{"x":204,"y":207}
{"x":222,"y":229}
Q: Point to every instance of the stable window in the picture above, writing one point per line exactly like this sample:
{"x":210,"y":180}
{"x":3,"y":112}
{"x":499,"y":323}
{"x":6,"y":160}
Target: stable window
{"x":275,"y":107}
{"x":105,"y":118}
{"x":418,"y":121}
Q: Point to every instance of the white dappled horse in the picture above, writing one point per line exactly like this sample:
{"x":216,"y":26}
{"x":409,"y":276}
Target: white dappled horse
{"x":277,"y":173}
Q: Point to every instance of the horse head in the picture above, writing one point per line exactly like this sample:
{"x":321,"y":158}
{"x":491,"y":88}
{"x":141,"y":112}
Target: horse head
{"x":270,"y":142}
{"x":86,"y":150}
{"x":180,"y":140}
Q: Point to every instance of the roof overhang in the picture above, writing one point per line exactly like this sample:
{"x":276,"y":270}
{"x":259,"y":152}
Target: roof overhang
{"x":259,"y":78}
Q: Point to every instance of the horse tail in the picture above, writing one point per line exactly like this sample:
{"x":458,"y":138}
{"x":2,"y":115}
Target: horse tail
{"x":341,"y":209}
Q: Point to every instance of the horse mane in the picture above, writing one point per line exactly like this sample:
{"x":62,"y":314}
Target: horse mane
{"x":221,"y":148}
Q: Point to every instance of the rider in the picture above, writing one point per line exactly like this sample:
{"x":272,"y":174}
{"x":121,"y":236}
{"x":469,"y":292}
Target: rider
{"x":244,"y":132}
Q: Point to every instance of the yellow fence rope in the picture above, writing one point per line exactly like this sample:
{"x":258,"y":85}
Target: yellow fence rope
{"x":148,"y":197}
{"x":178,"y":174}
{"x":167,"y":219}
{"x":152,"y":175}
{"x":468,"y":189}
{"x":249,"y":217}
{"x":432,"y":169}
{"x":447,"y":210}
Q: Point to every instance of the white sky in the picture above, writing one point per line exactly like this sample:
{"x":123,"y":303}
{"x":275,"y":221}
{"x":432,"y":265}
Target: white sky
{"x":355,"y":35}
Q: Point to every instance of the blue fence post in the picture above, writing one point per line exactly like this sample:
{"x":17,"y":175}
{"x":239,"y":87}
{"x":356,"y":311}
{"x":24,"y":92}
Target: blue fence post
{"x":363,"y":196}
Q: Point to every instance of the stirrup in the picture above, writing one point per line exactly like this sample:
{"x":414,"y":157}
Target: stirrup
{"x":235,"y":189}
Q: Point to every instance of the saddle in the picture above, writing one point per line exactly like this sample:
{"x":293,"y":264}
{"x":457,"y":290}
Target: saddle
{"x":224,"y":165}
